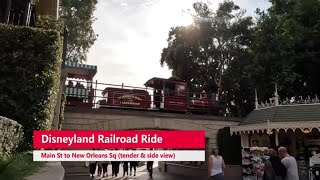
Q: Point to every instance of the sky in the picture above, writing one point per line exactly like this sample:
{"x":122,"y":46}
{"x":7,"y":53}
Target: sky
{"x":132,"y":34}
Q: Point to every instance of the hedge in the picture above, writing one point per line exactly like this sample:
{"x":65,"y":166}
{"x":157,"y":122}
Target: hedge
{"x":11,"y":135}
{"x":30,"y":61}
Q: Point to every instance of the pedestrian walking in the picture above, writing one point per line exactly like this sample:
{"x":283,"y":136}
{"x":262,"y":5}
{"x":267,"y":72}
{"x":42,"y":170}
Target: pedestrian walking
{"x":115,"y":168}
{"x":278,"y":167}
{"x":125,"y":168}
{"x":99,"y":168}
{"x":105,"y":168}
{"x":216,"y":165}
{"x":92,"y":168}
{"x":290,"y":163}
{"x":268,"y":172}
{"x":150,"y":167}
{"x":133,"y":165}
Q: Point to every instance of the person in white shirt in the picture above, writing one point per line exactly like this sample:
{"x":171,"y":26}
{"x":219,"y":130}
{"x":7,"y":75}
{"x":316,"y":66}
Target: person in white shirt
{"x":290,"y":163}
{"x":216,"y":165}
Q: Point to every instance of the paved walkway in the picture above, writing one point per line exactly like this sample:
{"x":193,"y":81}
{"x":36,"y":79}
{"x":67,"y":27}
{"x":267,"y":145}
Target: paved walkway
{"x":142,"y":174}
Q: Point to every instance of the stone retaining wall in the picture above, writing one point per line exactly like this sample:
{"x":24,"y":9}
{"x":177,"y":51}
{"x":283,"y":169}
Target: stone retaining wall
{"x":11,"y":134}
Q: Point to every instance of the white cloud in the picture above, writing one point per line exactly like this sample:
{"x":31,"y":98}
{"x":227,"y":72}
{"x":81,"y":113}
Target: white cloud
{"x":133,"y":33}
{"x":123,"y":4}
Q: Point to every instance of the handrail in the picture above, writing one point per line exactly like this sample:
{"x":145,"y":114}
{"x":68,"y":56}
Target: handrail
{"x":146,"y":99}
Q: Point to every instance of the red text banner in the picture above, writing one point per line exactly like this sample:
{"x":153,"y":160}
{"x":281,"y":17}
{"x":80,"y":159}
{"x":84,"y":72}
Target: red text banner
{"x":132,"y":139}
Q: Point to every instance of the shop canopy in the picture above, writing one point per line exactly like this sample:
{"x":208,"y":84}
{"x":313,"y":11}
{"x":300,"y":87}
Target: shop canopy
{"x":80,"y":71}
{"x":304,"y":117}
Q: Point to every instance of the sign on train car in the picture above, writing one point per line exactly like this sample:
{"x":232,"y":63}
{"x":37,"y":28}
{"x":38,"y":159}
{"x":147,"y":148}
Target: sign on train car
{"x":118,"y":97}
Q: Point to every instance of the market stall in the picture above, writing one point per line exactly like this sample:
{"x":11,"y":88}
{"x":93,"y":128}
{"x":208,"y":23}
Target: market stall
{"x":253,"y":159}
{"x":294,"y":125}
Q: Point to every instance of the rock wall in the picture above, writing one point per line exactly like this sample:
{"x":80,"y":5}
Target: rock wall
{"x":11,"y":134}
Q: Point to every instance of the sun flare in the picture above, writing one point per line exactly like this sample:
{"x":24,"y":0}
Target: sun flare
{"x":184,"y":20}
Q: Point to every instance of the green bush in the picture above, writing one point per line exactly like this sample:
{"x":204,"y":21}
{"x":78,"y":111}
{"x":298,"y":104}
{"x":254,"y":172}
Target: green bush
{"x":11,"y":135}
{"x":5,"y":160}
{"x":19,"y":166}
{"x":30,"y":61}
{"x":47,"y":22}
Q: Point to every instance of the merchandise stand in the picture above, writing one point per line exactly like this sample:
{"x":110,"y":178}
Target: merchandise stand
{"x":252,"y":163}
{"x":314,"y":167}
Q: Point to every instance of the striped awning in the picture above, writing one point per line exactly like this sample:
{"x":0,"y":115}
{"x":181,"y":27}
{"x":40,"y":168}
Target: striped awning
{"x":77,"y":92}
{"x":69,"y":64}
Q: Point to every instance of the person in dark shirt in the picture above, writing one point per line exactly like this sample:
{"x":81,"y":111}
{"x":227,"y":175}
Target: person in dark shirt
{"x":133,"y":165}
{"x":150,"y":167}
{"x":115,"y":168}
{"x":125,"y":168}
{"x":279,"y":169}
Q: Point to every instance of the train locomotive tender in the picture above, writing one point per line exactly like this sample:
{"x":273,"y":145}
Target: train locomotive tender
{"x":168,"y":95}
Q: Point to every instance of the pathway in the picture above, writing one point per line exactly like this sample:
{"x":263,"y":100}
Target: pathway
{"x":142,"y":174}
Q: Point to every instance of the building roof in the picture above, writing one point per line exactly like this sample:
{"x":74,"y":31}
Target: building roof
{"x":158,"y":82}
{"x":80,"y":71}
{"x":284,"y":113}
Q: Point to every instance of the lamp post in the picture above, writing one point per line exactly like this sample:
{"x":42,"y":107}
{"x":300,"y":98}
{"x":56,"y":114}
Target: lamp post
{"x":65,"y":45}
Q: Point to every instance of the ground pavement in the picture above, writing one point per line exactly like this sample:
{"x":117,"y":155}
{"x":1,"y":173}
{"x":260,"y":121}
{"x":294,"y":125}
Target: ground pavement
{"x":142,"y":174}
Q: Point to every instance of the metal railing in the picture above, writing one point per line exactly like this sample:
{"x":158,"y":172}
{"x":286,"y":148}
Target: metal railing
{"x":97,"y":95}
{"x":20,"y":16}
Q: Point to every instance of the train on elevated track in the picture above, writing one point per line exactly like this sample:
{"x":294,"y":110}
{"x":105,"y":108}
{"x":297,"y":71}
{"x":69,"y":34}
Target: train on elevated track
{"x":159,"y":94}
{"x":167,"y":95}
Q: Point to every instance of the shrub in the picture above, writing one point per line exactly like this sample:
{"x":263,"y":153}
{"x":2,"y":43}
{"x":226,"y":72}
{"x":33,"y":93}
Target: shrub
{"x":30,"y":61}
{"x":11,"y":135}
{"x":48,"y":22}
{"x":19,"y":166}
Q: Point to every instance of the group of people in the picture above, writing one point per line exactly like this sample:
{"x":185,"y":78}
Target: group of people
{"x":78,"y":85}
{"x":103,"y":168}
{"x":279,"y":166}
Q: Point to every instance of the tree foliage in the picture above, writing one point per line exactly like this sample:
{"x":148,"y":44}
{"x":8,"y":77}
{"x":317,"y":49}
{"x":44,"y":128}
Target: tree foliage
{"x":281,"y":46}
{"x":286,"y":48}
{"x":199,"y":53}
{"x":78,"y":17}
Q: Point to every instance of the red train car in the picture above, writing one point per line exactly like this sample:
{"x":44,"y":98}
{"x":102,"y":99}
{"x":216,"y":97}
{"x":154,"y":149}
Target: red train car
{"x":173,"y":95}
{"x":131,"y":98}
{"x":168,"y":95}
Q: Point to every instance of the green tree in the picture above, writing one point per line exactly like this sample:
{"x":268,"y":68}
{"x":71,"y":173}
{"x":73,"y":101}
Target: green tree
{"x":286,"y":49}
{"x":78,"y":17}
{"x":200,"y":53}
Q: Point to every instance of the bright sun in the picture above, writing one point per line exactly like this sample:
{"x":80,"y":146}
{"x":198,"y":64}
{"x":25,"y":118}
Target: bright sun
{"x":172,"y":13}
{"x":183,"y":20}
